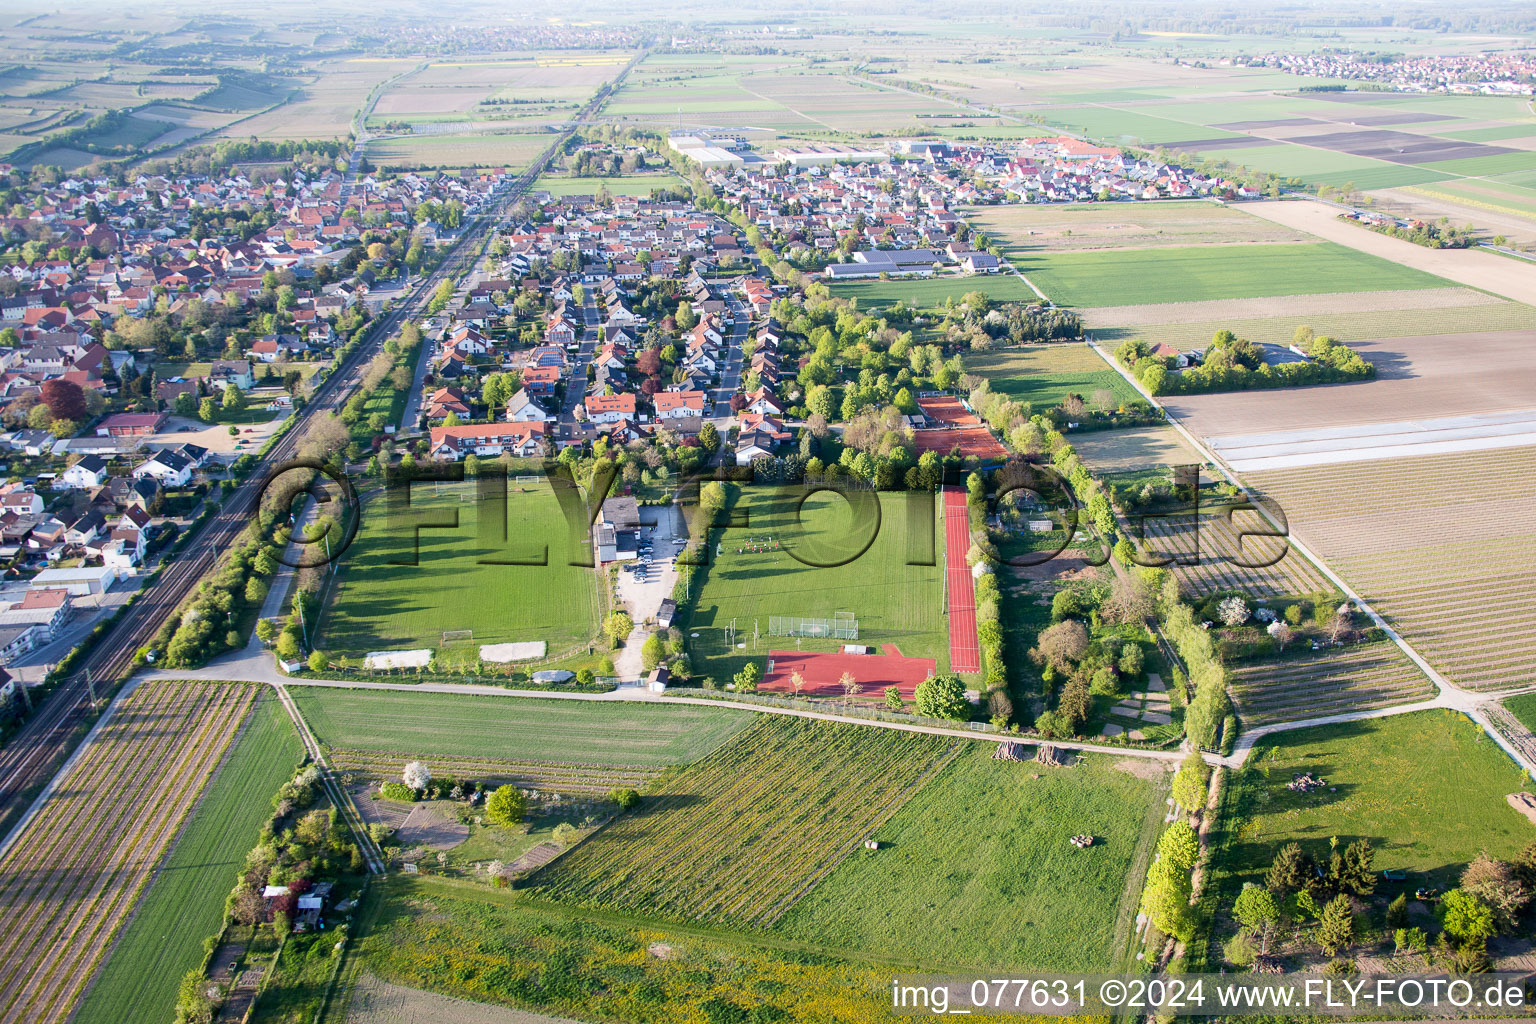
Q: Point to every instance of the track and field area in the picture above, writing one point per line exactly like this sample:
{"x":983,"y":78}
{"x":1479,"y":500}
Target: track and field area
{"x":1332,"y":682}
{"x":964,"y":648}
{"x":1043,"y":375}
{"x":461,"y":579}
{"x":1069,"y":227}
{"x":893,"y":586}
{"x":1021,"y":895}
{"x":823,"y":673}
{"x":741,"y":835}
{"x":1436,"y":550}
{"x":185,"y":902}
{"x":1387,"y":777}
{"x":81,"y":864}
{"x":516,"y":729}
{"x":1135,"y":276}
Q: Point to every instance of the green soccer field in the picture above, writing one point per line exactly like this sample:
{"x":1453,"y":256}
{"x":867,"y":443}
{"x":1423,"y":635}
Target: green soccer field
{"x":515,"y":728}
{"x":460,"y":579}
{"x":928,"y":292}
{"x":895,"y":603}
{"x":1131,"y":277}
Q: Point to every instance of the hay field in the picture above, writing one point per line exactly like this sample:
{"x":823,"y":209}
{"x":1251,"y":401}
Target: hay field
{"x":1440,"y":545}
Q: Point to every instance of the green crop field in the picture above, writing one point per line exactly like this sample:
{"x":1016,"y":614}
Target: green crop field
{"x":515,"y":728}
{"x":461,"y":580}
{"x":1043,"y":375}
{"x":1427,"y":789}
{"x":977,"y":870}
{"x":1523,"y":707}
{"x":185,"y":902}
{"x":626,"y":185}
{"x":737,"y":837}
{"x":928,"y":292}
{"x":895,"y":602}
{"x":1129,"y":277}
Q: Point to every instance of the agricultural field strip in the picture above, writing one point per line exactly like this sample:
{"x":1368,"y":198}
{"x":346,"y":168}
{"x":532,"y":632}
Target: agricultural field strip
{"x":129,"y":882}
{"x":1162,"y":313}
{"x":36,"y":906}
{"x":707,"y":833}
{"x":1378,"y":676}
{"x":1292,"y":574}
{"x":1280,"y":329}
{"x":1362,"y":442}
{"x":562,"y":775}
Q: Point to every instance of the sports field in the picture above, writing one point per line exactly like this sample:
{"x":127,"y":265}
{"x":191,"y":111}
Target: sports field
{"x":1386,"y":778}
{"x":555,"y":731}
{"x":926,"y":293}
{"x":1044,"y":375}
{"x":960,"y":586}
{"x":624,"y":185}
{"x":185,"y":902}
{"x":460,"y":581}
{"x":894,"y":602}
{"x":1021,"y":895}
{"x":1191,"y":274}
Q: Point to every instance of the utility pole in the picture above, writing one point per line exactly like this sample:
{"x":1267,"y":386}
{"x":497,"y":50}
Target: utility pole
{"x":90,"y":684}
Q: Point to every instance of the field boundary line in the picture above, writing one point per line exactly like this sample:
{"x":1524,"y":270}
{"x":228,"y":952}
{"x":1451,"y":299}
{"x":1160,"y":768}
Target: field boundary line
{"x":64,"y":769}
{"x":338,"y":794}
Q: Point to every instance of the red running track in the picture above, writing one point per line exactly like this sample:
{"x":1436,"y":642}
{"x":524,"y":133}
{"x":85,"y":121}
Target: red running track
{"x":964,"y":651}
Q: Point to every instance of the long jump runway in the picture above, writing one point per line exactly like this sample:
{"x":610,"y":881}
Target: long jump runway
{"x":964,"y":652}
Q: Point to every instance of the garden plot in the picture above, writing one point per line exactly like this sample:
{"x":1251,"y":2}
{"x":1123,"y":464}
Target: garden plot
{"x":1222,"y":553}
{"x":1330,"y":682}
{"x":77,"y":870}
{"x":1439,"y":552}
{"x":740,"y":836}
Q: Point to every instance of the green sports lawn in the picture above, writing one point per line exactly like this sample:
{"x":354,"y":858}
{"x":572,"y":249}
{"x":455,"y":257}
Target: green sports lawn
{"x":895,"y":603}
{"x":515,"y":728}
{"x":1043,"y":375}
{"x":1131,"y":277}
{"x":977,"y":870}
{"x":457,"y":582}
{"x":1427,"y":789}
{"x":185,"y":902}
{"x":929,"y":292}
{"x":626,"y":185}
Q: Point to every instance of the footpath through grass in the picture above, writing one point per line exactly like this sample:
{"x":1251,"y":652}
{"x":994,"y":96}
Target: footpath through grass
{"x":516,"y":728}
{"x":977,"y":870}
{"x":185,"y":902}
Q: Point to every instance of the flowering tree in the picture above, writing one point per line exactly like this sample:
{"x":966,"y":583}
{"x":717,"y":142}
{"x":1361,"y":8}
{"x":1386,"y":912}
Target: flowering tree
{"x":1233,"y":611}
{"x":417,"y":775}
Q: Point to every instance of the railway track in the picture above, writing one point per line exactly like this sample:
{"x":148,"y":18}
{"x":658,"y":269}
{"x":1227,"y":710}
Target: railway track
{"x":34,"y":753}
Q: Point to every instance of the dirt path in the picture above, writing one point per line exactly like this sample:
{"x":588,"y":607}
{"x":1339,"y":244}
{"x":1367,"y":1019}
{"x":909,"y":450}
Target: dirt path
{"x":1507,"y":277}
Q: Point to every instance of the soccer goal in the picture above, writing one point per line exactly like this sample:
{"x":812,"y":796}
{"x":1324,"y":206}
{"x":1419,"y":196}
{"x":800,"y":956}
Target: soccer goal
{"x":450,"y":635}
{"x":842,"y":626}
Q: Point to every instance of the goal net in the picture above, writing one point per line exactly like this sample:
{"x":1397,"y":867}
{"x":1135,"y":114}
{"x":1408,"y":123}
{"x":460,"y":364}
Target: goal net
{"x":842,"y":626}
{"x":450,"y":635}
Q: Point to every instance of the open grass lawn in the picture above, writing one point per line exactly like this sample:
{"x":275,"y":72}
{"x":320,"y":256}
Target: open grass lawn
{"x":926,"y":293}
{"x":497,"y":946}
{"x":1427,"y":789}
{"x":514,"y":728}
{"x":458,"y":582}
{"x":185,"y":902}
{"x":1116,"y":278}
{"x":624,"y":185}
{"x":977,"y":871}
{"x":1043,"y":375}
{"x":895,"y":603}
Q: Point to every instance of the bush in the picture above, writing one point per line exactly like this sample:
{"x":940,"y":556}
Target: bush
{"x":506,"y":807}
{"x":942,"y":697}
{"x":397,"y":791}
{"x":626,"y":799}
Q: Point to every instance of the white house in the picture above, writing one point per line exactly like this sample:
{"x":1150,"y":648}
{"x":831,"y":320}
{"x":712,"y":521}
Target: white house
{"x":90,"y":471}
{"x":524,"y":408}
{"x":171,"y":468}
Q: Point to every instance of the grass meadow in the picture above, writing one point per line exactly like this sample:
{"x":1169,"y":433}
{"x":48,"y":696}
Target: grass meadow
{"x":1043,"y":375}
{"x":515,"y":728}
{"x":1130,"y":277}
{"x":185,"y":902}
{"x":1427,"y":789}
{"x":626,"y":185}
{"x":895,"y":602}
{"x":1021,"y":895}
{"x":461,"y":579}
